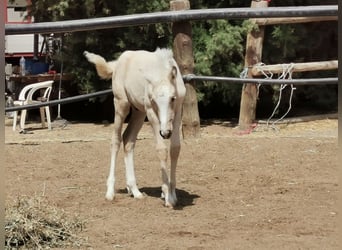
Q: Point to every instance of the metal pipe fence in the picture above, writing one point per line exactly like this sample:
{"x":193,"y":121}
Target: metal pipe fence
{"x":309,"y":81}
{"x":60,"y":101}
{"x":173,"y":16}
{"x":186,"y":78}
{"x":168,"y":16}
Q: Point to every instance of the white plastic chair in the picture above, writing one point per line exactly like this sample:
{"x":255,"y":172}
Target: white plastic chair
{"x":25,"y":97}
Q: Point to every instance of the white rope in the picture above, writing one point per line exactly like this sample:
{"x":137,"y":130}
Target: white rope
{"x":282,"y":87}
{"x":267,"y":75}
{"x":286,"y":74}
{"x":244,"y":73}
{"x":290,"y":106}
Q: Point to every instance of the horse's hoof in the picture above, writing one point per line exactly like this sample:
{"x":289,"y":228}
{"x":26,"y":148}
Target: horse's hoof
{"x":171,"y":203}
{"x":138,"y":196}
{"x":135,"y":192}
{"x":109,"y":197}
{"x":168,"y":204}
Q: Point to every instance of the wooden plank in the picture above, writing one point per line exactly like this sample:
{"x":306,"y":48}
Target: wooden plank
{"x":183,"y":54}
{"x":287,"y":20}
{"x":253,"y":56}
{"x":297,"y":67}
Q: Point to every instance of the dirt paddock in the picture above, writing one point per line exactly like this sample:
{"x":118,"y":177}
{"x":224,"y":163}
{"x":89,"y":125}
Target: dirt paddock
{"x":271,"y":189}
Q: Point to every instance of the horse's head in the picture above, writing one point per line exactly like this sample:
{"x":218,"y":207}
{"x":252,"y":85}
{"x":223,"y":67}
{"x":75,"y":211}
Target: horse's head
{"x":163,"y":99}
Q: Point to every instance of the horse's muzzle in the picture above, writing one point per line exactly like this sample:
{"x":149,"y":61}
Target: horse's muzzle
{"x":166,"y":134}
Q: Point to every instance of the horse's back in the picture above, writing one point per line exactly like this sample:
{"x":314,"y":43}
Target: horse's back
{"x":142,"y":61}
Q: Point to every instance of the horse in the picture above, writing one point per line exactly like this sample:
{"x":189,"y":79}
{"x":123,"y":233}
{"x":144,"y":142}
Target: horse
{"x":145,"y":84}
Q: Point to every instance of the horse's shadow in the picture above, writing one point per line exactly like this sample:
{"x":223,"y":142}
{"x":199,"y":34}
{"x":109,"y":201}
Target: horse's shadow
{"x":184,"y":198}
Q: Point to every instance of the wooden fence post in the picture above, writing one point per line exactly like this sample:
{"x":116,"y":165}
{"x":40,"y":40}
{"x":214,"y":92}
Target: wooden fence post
{"x":182,"y":48}
{"x":253,"y":55}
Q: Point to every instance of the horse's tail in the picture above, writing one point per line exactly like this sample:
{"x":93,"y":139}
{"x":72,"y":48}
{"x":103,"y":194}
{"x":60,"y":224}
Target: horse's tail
{"x":104,"y":69}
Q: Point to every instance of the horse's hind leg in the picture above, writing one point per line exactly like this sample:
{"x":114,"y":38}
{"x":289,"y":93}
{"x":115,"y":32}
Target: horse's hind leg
{"x":121,"y":112}
{"x":129,"y":139}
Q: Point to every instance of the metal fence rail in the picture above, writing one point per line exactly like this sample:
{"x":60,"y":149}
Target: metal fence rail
{"x":173,"y":16}
{"x":187,"y":78}
{"x":168,"y":16}
{"x":311,"y":81}
{"x":60,"y":101}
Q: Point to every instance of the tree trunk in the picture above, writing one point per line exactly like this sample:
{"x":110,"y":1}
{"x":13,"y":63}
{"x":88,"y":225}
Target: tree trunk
{"x":182,"y":48}
{"x":253,"y":56}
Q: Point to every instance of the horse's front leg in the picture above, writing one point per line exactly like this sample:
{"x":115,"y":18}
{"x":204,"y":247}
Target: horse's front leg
{"x":170,"y":198}
{"x":162,"y":152}
{"x":174,"y":154}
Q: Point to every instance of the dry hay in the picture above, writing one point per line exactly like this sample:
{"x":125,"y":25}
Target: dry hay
{"x":31,"y":223}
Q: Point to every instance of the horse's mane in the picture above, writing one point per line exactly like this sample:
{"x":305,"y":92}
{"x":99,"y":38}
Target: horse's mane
{"x":165,"y":55}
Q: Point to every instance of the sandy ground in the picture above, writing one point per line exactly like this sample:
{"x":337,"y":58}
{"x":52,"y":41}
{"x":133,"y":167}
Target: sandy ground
{"x":271,"y":189}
